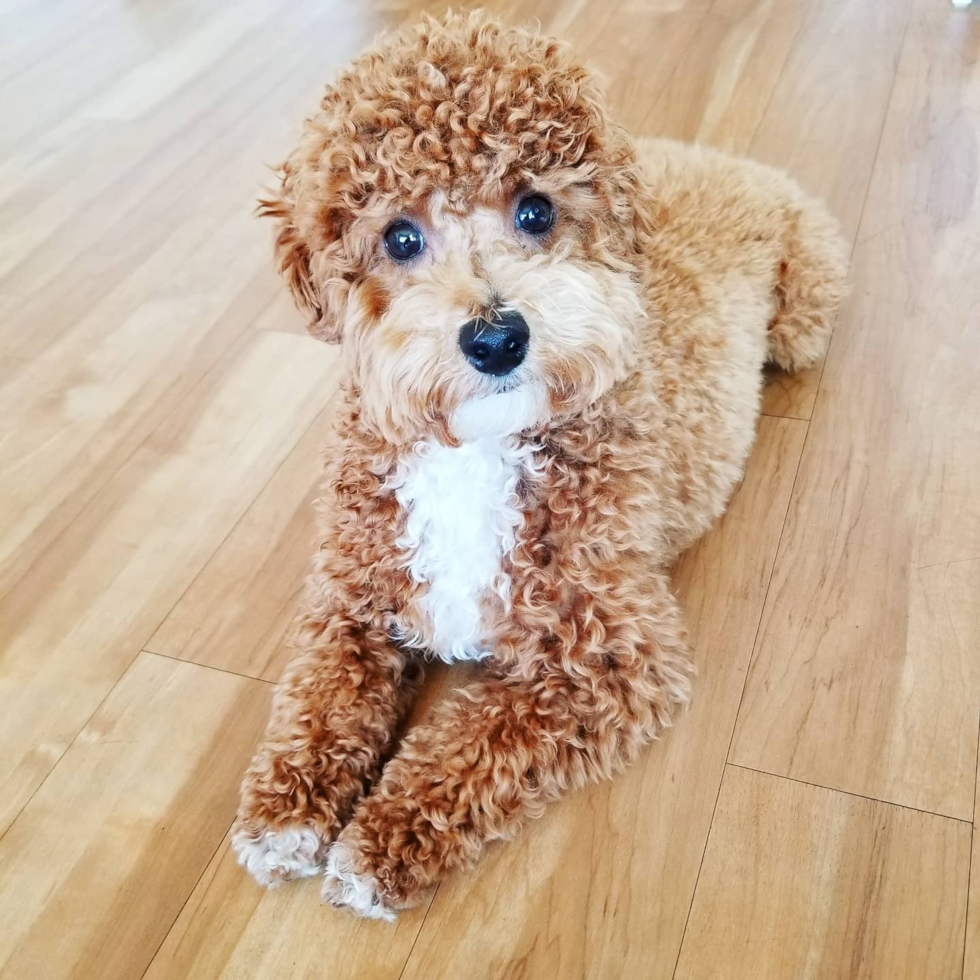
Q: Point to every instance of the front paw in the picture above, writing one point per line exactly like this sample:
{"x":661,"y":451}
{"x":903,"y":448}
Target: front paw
{"x":349,"y":884}
{"x":274,"y":855}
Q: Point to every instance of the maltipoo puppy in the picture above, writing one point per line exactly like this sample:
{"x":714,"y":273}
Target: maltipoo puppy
{"x":554,"y":342}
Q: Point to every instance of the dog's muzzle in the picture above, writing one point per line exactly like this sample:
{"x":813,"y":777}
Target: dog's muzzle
{"x":495,"y":346}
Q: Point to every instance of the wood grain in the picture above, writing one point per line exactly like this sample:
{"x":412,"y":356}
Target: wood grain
{"x":231,"y":929}
{"x":824,"y":119}
{"x":866,"y":676}
{"x":823,"y":124}
{"x":73,"y":623}
{"x":132,"y":290}
{"x":109,"y":848}
{"x":971,"y":958}
{"x":638,"y":64}
{"x":236,"y":614}
{"x":800,"y":881}
{"x":719,"y":92}
{"x":601,"y":886}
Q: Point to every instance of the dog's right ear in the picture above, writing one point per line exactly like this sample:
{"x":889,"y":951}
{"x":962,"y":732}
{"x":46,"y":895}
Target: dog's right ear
{"x":293,"y":262}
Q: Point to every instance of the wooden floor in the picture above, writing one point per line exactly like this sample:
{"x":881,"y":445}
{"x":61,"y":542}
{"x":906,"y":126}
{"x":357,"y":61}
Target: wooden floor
{"x":812,"y":816}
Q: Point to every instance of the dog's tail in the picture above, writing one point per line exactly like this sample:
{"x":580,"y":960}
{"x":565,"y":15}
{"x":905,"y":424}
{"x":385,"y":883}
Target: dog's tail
{"x":810,"y":284}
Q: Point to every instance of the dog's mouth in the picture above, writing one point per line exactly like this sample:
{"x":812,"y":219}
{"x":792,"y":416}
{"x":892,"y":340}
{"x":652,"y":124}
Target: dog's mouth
{"x":508,"y":407}
{"x":505,"y":385}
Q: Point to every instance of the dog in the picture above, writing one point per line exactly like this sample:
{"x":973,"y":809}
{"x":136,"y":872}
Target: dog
{"x":554,"y":341}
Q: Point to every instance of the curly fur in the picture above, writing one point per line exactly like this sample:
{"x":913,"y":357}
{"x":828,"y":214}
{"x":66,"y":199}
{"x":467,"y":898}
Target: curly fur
{"x":671,"y":275}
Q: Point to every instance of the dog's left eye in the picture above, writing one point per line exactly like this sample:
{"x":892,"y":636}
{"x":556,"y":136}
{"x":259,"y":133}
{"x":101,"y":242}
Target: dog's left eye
{"x":403,"y":240}
{"x":535,"y":215}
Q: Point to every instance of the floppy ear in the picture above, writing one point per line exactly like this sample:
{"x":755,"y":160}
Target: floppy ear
{"x":293,"y":262}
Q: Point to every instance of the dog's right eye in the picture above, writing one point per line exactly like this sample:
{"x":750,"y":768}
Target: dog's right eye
{"x":535,"y":215}
{"x":403,"y":240}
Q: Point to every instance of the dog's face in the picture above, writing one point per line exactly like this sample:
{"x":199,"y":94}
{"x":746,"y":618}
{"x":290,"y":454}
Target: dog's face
{"x":460,"y":216}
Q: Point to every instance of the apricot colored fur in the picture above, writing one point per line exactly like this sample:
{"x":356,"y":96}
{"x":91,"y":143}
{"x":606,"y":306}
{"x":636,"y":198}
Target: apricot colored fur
{"x":712,"y":266}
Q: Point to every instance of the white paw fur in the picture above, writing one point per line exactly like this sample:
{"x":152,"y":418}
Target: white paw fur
{"x":357,"y":892}
{"x":276,"y":855}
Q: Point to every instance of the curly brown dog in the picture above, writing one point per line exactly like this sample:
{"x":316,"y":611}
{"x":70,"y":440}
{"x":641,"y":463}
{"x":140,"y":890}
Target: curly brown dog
{"x":554,"y":343}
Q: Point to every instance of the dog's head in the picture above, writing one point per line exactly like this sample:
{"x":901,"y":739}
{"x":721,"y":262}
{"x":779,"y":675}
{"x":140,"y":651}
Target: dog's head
{"x":460,"y":214}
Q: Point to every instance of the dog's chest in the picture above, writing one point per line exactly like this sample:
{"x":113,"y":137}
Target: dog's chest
{"x":462,"y":516}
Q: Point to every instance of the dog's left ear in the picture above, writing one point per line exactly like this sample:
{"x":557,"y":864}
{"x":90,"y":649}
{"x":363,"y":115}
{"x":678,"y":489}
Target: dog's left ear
{"x":294,"y":261}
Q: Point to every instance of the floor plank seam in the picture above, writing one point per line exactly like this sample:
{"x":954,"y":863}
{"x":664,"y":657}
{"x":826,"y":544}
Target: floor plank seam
{"x":408,"y":959}
{"x":242,"y":117}
{"x":847,"y":792}
{"x":220,"y":670}
{"x":777,"y":83}
{"x":791,"y":418}
{"x":641,"y":128}
{"x":275,"y":472}
{"x":966,"y":914}
{"x":856,"y":239}
{"x":755,"y":643}
{"x":900,"y":51}
{"x":113,"y":473}
{"x":792,"y":493}
{"x":969,"y":874}
{"x":936,"y":564}
{"x":187,"y":898}
{"x":74,"y":739}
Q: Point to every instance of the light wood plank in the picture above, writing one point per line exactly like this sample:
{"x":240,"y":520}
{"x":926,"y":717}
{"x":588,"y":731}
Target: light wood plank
{"x":45,"y":31}
{"x":98,"y":866}
{"x":72,"y":624}
{"x":139,"y":92}
{"x":74,"y":50}
{"x":231,"y":929}
{"x":823,"y":124}
{"x":127,"y":307}
{"x":637,"y":63}
{"x":971,"y":957}
{"x":602,"y":885}
{"x":800,"y":881}
{"x":208,"y":143}
{"x":74,"y":415}
{"x":152,"y":287}
{"x":719,"y":91}
{"x":825,"y":117}
{"x":65,"y":182}
{"x":236,"y":614}
{"x":281,"y":314}
{"x":867,"y":677}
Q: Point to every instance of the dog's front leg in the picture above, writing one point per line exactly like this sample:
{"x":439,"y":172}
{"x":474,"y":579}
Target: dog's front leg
{"x":333,"y":716}
{"x":498,"y":751}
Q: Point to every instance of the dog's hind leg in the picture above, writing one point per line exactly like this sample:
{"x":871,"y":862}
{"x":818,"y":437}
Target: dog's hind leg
{"x":334,"y":714}
{"x":808,"y":288}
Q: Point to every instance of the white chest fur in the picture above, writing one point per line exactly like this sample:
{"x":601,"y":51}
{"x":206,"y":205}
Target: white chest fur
{"x":462,"y":519}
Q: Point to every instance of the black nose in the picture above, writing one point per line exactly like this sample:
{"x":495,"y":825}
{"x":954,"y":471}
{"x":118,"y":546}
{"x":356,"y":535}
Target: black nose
{"x":495,"y":346}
